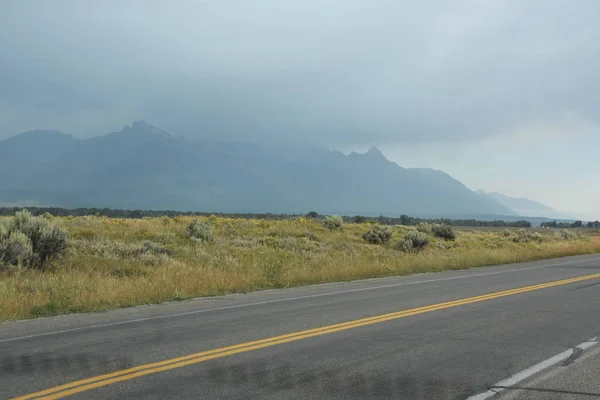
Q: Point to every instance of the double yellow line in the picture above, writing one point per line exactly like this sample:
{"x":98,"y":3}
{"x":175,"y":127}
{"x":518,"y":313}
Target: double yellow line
{"x":147,"y":369}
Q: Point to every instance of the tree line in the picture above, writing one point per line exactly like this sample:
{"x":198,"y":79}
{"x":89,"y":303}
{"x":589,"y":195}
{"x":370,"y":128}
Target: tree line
{"x":576,"y":224}
{"x":120,"y":213}
{"x":411,"y":221}
{"x":132,"y":214}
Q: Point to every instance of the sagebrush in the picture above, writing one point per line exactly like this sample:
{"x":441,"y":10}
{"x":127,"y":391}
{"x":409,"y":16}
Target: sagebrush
{"x":524,"y":236}
{"x":425,"y":228}
{"x":334,"y":223}
{"x":200,"y":231}
{"x":444,"y":232}
{"x":413,"y":241}
{"x":28,"y":241}
{"x":378,"y":234}
{"x":568,"y":235}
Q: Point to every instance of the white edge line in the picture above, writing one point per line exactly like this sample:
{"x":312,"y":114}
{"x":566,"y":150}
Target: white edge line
{"x":527,"y":373}
{"x":286,"y":299}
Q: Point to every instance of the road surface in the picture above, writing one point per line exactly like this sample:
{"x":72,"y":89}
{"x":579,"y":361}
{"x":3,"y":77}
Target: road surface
{"x":574,"y":380}
{"x":447,"y":335}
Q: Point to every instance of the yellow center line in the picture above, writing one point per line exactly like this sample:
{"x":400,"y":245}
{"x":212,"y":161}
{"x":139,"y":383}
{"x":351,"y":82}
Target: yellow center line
{"x":152,"y":368}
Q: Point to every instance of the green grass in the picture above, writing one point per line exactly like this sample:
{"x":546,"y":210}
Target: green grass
{"x":110,"y":264}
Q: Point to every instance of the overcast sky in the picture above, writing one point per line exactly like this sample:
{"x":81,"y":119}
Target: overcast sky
{"x":501,"y":94}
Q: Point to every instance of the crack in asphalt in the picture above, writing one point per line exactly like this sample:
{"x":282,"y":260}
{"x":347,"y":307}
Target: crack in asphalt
{"x":577,"y":352}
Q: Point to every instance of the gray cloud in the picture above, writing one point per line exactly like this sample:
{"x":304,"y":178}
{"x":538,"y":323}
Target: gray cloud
{"x":341,"y":72}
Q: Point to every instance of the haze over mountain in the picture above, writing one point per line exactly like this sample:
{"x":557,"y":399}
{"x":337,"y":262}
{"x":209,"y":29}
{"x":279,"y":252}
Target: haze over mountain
{"x":531,"y":208}
{"x":522,"y":205}
{"x":144,"y":167}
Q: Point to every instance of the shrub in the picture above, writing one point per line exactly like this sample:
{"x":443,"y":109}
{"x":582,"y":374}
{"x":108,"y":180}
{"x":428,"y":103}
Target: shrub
{"x":313,"y":214}
{"x":15,"y":250}
{"x":506,"y":233}
{"x":418,"y":239}
{"x":538,"y":237}
{"x":49,"y":241}
{"x":443,"y":232}
{"x":378,"y":234}
{"x":32,"y":241}
{"x":404,"y":245}
{"x":47,"y":215}
{"x":20,"y":220}
{"x":424,"y":228}
{"x":334,"y":223}
{"x":568,"y":235}
{"x":413,"y":241}
{"x":200,"y":231}
{"x":524,"y":236}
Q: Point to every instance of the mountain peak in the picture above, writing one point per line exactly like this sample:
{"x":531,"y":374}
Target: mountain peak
{"x":139,"y":131}
{"x":142,"y":127}
{"x":374,"y":152}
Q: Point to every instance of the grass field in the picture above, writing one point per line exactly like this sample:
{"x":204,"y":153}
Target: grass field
{"x":115,"y":263}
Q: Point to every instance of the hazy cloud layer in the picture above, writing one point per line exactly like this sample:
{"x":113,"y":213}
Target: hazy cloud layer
{"x":340,"y":72}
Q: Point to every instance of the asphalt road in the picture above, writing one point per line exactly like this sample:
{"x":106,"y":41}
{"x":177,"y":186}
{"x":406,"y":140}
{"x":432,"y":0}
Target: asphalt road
{"x":450,"y":350}
{"x":579,"y":380}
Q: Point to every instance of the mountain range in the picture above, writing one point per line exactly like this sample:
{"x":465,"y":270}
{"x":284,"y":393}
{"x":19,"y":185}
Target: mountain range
{"x":522,"y":205}
{"x":143,"y":167}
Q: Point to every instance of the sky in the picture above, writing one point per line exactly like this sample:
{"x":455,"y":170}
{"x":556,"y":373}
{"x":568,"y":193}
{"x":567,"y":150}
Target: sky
{"x":501,"y":94}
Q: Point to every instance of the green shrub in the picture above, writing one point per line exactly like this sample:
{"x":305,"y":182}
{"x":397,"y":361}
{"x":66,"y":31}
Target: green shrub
{"x":200,"y":231}
{"x":538,"y":237}
{"x":15,"y":250}
{"x":418,"y":239}
{"x":413,"y":241}
{"x":378,"y":234}
{"x":524,"y":236}
{"x":506,"y":233}
{"x":334,"y":223}
{"x":568,"y":235}
{"x":404,"y":245}
{"x":425,"y":228}
{"x":521,"y":237}
{"x":443,"y":232}
{"x":32,"y":241}
{"x":49,"y":241}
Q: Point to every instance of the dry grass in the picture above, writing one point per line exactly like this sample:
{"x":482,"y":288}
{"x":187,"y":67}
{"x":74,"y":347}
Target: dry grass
{"x":109,"y":265}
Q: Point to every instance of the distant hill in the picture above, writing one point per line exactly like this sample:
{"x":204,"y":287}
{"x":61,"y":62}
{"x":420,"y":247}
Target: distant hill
{"x":143,"y":167}
{"x":522,"y":205}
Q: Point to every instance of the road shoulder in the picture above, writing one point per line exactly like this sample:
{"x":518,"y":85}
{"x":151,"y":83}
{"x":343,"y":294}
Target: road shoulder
{"x":574,"y":379}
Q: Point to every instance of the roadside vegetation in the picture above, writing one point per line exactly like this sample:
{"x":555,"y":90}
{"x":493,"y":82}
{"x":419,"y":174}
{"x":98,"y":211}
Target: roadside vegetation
{"x":55,"y":265}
